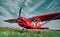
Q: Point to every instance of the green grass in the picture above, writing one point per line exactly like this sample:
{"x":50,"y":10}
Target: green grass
{"x":9,"y":32}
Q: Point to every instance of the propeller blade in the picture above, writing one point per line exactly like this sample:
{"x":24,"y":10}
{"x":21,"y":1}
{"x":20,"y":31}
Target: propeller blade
{"x":11,"y":20}
{"x":20,"y":12}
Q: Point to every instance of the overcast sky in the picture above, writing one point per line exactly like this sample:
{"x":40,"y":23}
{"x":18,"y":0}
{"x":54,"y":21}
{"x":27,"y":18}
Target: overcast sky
{"x":10,"y":8}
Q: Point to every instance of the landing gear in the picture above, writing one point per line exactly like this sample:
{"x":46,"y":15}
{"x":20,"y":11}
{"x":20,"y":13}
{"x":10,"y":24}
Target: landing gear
{"x":38,"y":32}
{"x":23,"y":30}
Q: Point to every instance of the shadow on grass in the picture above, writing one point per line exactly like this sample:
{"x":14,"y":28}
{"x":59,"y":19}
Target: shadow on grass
{"x":20,"y":31}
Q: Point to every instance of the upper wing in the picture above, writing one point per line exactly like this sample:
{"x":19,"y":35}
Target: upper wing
{"x":47,"y":17}
{"x":11,"y":20}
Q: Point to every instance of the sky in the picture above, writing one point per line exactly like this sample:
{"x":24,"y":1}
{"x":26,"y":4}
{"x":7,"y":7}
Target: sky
{"x":10,"y":9}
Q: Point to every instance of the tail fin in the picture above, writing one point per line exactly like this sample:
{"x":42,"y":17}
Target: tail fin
{"x":11,"y":20}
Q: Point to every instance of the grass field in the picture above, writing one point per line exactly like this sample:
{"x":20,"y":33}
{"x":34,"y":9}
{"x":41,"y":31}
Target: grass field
{"x":9,"y":32}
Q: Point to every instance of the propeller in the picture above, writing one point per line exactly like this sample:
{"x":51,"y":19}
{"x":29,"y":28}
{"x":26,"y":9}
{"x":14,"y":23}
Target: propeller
{"x":14,"y":20}
{"x":20,"y":12}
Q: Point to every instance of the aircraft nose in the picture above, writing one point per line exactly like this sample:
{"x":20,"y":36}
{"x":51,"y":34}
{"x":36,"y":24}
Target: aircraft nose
{"x":19,"y":21}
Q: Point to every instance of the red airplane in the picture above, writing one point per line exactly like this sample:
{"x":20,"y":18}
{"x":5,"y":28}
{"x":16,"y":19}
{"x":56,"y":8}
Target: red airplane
{"x":27,"y":22}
